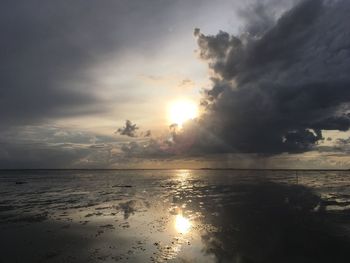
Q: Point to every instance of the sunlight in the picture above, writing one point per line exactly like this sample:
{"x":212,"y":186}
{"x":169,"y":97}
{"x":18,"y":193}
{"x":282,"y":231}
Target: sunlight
{"x":182,"y":224}
{"x":182,"y":173}
{"x":181,"y":111}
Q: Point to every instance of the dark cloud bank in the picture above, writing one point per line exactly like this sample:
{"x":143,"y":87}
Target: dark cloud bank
{"x":45,"y":49}
{"x":48,"y":47}
{"x":275,"y":88}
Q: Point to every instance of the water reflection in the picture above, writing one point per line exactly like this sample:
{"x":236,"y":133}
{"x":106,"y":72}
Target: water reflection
{"x":183,"y":173}
{"x":183,"y":216}
{"x":262,"y":221}
{"x":182,"y":224}
{"x":182,"y":178}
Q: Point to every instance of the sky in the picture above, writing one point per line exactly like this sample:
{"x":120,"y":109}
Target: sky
{"x":88,"y":84}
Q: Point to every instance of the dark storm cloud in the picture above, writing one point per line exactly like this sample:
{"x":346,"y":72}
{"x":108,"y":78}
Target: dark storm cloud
{"x":276,"y":92}
{"x":44,"y":49}
{"x":47,"y":47}
{"x":260,"y":15}
{"x":129,"y":129}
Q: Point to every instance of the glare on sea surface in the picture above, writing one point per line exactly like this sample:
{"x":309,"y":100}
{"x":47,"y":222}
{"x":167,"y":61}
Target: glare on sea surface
{"x":181,"y":111}
{"x":182,"y":224}
{"x":182,"y":174}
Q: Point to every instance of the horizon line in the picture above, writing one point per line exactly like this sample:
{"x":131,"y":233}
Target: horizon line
{"x":170,"y":169}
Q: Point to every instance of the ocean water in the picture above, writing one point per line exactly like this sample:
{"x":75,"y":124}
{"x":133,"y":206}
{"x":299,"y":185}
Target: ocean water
{"x":174,"y":216}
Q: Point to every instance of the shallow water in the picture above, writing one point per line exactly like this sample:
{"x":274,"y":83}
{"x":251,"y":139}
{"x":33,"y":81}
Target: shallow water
{"x":175,"y":216}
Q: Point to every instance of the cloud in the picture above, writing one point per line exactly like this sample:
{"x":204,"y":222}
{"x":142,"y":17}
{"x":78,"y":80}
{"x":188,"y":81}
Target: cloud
{"x":275,"y":86}
{"x":48,"y":50}
{"x":344,"y":141}
{"x":275,"y":90}
{"x":129,"y":129}
{"x":186,"y":83}
{"x":339,"y":147}
{"x":40,"y":155}
{"x":45,"y":49}
{"x":148,"y":133}
{"x":56,"y":147}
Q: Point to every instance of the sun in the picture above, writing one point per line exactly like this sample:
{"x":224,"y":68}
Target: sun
{"x":181,"y":111}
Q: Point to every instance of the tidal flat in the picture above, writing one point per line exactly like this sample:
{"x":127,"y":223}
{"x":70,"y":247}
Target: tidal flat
{"x":241,"y":216}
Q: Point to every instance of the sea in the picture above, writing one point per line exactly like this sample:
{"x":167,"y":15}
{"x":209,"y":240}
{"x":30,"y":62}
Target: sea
{"x":240,"y":216}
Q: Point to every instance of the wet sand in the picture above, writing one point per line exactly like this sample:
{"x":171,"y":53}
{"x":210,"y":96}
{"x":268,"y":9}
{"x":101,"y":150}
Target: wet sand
{"x":175,"y":216}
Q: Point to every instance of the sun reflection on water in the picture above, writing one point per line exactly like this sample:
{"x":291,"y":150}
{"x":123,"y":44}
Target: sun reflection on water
{"x":183,"y":173}
{"x":182,"y":224}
